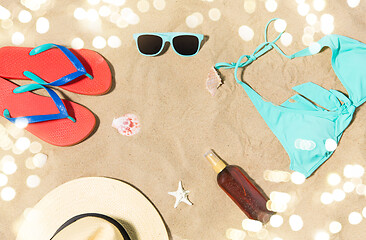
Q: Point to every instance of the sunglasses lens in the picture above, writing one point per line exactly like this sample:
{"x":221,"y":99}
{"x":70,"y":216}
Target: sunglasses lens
{"x":186,"y":45}
{"x":149,"y":44}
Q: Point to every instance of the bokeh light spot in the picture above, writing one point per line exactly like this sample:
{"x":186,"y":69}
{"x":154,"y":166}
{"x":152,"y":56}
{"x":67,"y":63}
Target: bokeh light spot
{"x":7,"y":165}
{"x":358,"y":171}
{"x":42,"y":25}
{"x":278,"y":206}
{"x":199,"y":16}
{"x":353,"y":171}
{"x":77,"y":43}
{"x":276,"y":221}
{"x":286,"y":39}
{"x":271,"y":5}
{"x":33,"y":5}
{"x":327,"y":27}
{"x":297,"y":178}
{"x":93,"y":2}
{"x":114,"y":17}
{"x":252,"y":225}
{"x":319,"y":5}
{"x":353,"y":3}
{"x":8,"y":193}
{"x":99,"y":42}
{"x":129,"y":16}
{"x":232,"y":233}
{"x":280,"y":25}
{"x":80,"y":13}
{"x":17,"y":38}
{"x":16,"y":150}
{"x":159,"y":4}
{"x":348,"y":171}
{"x":296,"y":223}
{"x":3,"y":180}
{"x":249,"y":6}
{"x":29,"y":163}
{"x":114,"y":42}
{"x":39,"y":160}
{"x":326,"y":198}
{"x":21,"y":123}
{"x":4,"y":13}
{"x":24,"y":16}
{"x":361,"y":189}
{"x":303,"y":9}
{"x":338,"y":195}
{"x":214,"y":14}
{"x":192,"y":21}
{"x":276,"y":176}
{"x":307,"y":39}
{"x":354,"y":218}
{"x":121,"y":23}
{"x":364,"y":212}
{"x":35,"y":147}
{"x":104,"y":11}
{"x":280,"y":197}
{"x":6,"y":143}
{"x":311,"y":18}
{"x":333,"y":178}
{"x":33,"y":181}
{"x":22,"y":143}
{"x":335,"y":227}
{"x":92,"y":15}
{"x":322,"y":236}
{"x":7,"y":23}
{"x":246,"y":33}
{"x":143,"y":6}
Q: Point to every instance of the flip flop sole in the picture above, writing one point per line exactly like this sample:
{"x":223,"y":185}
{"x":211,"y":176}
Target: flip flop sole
{"x":53,"y":64}
{"x":60,"y":132}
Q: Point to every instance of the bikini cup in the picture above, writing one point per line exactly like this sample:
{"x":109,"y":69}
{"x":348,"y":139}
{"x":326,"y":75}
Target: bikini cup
{"x":310,"y":133}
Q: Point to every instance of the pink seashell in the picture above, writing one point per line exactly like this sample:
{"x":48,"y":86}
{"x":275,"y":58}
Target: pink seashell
{"x":127,"y":125}
{"x":213,"y":81}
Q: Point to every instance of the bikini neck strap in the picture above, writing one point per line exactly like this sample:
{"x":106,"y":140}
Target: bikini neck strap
{"x":259,"y":51}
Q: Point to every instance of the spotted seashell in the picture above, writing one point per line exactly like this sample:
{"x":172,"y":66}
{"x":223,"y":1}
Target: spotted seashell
{"x":213,"y":81}
{"x":127,"y":125}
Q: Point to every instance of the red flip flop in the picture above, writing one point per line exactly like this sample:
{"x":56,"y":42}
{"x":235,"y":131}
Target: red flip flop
{"x":55,"y":121}
{"x":80,"y":71}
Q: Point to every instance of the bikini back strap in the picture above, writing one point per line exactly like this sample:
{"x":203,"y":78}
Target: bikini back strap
{"x":259,"y":51}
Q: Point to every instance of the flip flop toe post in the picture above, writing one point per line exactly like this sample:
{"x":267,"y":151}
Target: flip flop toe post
{"x":80,"y":71}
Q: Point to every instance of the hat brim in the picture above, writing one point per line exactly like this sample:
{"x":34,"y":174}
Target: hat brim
{"x":107,"y":196}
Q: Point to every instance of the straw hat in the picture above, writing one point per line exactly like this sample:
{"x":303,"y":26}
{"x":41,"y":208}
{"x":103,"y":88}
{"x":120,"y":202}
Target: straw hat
{"x":104,"y":196}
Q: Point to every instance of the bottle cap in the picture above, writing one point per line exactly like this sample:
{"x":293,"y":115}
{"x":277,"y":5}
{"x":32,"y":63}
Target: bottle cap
{"x":217,"y":164}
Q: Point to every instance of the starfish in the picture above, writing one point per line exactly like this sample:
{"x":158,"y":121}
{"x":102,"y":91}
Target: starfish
{"x":181,"y":195}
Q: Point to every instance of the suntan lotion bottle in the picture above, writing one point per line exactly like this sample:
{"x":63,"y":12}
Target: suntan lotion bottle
{"x":240,"y":189}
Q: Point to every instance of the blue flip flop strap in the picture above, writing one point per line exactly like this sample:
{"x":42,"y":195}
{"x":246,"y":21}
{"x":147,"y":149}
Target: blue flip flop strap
{"x":42,"y":118}
{"x":80,"y":69}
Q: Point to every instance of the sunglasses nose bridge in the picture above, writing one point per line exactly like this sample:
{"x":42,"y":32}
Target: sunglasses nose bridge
{"x":167,"y":38}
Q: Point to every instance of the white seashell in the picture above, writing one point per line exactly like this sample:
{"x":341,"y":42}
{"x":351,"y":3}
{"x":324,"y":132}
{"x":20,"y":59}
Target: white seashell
{"x":213,"y":81}
{"x":127,"y":125}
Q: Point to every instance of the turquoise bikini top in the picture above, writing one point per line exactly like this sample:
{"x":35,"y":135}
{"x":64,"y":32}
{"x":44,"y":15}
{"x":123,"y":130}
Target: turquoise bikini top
{"x":310,"y":133}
